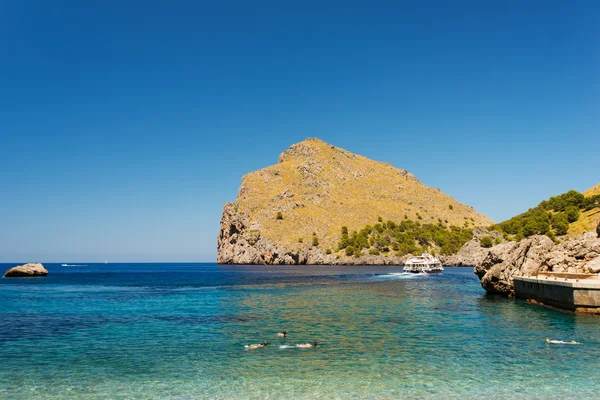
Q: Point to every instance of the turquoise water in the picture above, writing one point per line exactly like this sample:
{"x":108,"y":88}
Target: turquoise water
{"x":177,"y":331}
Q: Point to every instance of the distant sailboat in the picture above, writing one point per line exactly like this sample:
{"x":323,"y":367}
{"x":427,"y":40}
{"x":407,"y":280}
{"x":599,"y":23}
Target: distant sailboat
{"x":105,"y":262}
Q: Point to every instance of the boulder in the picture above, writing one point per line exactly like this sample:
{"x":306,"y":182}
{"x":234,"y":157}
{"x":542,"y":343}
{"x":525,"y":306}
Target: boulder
{"x":593,"y":266}
{"x":26,"y":270}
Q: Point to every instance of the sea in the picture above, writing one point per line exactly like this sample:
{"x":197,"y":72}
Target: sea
{"x":179,"y":331}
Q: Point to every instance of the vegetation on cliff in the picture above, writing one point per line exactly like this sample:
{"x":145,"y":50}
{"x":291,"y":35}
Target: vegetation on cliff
{"x":590,"y":215}
{"x":553,"y":217}
{"x":406,"y":237}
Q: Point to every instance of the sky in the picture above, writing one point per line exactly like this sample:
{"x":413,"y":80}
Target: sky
{"x":126,"y":125}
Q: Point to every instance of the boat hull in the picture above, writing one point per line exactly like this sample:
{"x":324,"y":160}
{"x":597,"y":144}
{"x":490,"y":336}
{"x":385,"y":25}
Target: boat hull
{"x":437,"y":271}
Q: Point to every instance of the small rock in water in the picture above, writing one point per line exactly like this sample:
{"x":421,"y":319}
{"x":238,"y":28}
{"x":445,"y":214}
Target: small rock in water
{"x":26,"y":270}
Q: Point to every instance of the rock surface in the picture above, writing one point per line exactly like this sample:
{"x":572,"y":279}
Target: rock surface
{"x":313,"y":191}
{"x":472,"y":253}
{"x":25,"y":270}
{"x":536,"y":254}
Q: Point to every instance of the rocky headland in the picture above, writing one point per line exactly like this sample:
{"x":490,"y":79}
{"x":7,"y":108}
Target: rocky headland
{"x":292,"y":212}
{"x":26,"y":270}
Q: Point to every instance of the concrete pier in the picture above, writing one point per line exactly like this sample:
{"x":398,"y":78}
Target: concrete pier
{"x":575,"y":292}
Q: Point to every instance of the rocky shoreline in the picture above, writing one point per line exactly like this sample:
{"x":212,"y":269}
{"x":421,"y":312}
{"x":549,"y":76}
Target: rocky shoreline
{"x":537,"y":254}
{"x":241,"y":243}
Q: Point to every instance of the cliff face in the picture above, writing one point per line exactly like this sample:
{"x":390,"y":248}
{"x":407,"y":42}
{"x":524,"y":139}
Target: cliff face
{"x":313,"y":191}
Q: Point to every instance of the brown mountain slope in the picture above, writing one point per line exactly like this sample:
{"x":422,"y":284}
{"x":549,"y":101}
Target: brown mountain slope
{"x":318,"y":188}
{"x":592,"y":191}
{"x":588,"y":220}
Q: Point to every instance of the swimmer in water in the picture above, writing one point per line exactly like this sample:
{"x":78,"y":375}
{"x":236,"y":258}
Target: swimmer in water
{"x":256,"y":346}
{"x":561,"y":342}
{"x":282,"y":334}
{"x":307,"y":345}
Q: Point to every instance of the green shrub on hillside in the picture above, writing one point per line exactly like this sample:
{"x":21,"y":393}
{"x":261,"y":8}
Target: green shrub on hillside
{"x":279,"y":215}
{"x":560,"y":223}
{"x":572,"y":213}
{"x":550,"y":217}
{"x":591,"y":202}
{"x":407,"y":237}
{"x":560,"y":203}
{"x":486,"y":242}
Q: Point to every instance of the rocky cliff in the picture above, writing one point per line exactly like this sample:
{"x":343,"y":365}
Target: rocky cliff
{"x":536,"y":254}
{"x":292,"y":212}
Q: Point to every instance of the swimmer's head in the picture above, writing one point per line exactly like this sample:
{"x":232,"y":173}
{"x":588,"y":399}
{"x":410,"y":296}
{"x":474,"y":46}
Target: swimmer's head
{"x":315,"y":344}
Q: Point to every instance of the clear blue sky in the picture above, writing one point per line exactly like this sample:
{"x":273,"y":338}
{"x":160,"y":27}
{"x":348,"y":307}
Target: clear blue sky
{"x":125,"y":125}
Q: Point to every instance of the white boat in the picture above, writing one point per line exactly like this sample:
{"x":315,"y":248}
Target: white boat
{"x":64,"y":265}
{"x":423,"y":263}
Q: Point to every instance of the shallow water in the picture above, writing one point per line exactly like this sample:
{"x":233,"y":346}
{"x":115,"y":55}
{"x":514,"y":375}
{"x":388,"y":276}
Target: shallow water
{"x":178,"y":331}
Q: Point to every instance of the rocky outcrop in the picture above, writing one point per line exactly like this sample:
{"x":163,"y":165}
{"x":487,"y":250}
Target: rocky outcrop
{"x":508,"y":259}
{"x":472,"y":253}
{"x":26,"y":270}
{"x":533,"y":255}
